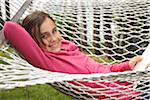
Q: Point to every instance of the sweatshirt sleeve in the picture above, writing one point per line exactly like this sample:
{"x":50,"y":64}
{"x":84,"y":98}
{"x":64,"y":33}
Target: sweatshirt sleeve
{"x":120,"y":67}
{"x":20,"y":39}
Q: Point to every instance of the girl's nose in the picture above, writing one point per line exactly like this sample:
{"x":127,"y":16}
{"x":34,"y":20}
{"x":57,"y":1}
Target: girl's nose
{"x":52,"y":39}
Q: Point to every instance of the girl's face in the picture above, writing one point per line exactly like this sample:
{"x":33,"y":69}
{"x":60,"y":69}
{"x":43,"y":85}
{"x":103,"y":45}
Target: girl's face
{"x":50,"y":36}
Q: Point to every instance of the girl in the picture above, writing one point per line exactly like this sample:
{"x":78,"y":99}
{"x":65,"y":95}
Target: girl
{"x":47,"y":50}
{"x":41,"y":44}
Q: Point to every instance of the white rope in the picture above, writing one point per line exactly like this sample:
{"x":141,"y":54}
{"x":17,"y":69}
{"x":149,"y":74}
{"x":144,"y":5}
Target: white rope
{"x":116,"y":30}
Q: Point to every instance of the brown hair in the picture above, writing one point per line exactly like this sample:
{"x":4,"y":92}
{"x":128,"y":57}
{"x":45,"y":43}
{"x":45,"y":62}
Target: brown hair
{"x":33,"y":22}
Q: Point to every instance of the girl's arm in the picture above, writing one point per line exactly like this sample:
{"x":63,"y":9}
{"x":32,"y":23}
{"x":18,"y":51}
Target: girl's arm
{"x":20,"y":39}
{"x":113,"y":68}
{"x":126,"y":65}
{"x":120,"y":67}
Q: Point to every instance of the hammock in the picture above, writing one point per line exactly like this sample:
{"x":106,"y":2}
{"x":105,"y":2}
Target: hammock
{"x":108,"y":31}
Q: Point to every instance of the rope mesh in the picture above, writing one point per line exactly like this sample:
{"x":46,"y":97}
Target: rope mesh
{"x":8,"y":8}
{"x":108,"y":31}
{"x":113,"y":30}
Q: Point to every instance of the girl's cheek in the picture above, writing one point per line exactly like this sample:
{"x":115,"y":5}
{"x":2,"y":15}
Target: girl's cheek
{"x":45,"y":42}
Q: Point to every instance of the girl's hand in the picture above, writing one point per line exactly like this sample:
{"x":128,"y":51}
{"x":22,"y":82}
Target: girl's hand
{"x":134,"y":61}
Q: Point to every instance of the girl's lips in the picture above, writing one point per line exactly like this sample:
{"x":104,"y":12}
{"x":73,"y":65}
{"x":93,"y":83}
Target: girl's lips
{"x":53,"y":45}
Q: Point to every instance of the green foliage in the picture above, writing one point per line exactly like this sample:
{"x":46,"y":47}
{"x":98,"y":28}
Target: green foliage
{"x":102,"y":59}
{"x":37,"y":92}
{"x":4,"y":55}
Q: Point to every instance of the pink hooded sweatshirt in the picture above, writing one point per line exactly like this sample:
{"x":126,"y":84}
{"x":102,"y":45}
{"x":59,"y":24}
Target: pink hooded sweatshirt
{"x":70,"y":60}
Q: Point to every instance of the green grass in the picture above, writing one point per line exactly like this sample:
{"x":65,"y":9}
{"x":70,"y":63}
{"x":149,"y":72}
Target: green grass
{"x":36,"y":92}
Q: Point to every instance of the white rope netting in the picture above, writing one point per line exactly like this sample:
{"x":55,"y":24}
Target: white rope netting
{"x":106,"y":30}
{"x":117,"y":30}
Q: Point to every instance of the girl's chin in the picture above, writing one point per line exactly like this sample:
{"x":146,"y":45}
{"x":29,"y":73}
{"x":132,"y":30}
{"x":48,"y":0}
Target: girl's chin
{"x":53,"y":49}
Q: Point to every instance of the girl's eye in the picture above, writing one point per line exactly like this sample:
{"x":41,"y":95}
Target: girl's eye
{"x":55,"y":30}
{"x":44,"y":36}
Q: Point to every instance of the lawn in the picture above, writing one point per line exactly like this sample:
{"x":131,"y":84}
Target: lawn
{"x":36,"y":92}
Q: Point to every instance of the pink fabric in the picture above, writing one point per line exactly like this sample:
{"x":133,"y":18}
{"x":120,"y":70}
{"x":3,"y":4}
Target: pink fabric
{"x":119,"y":90}
{"x":69,"y":60}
